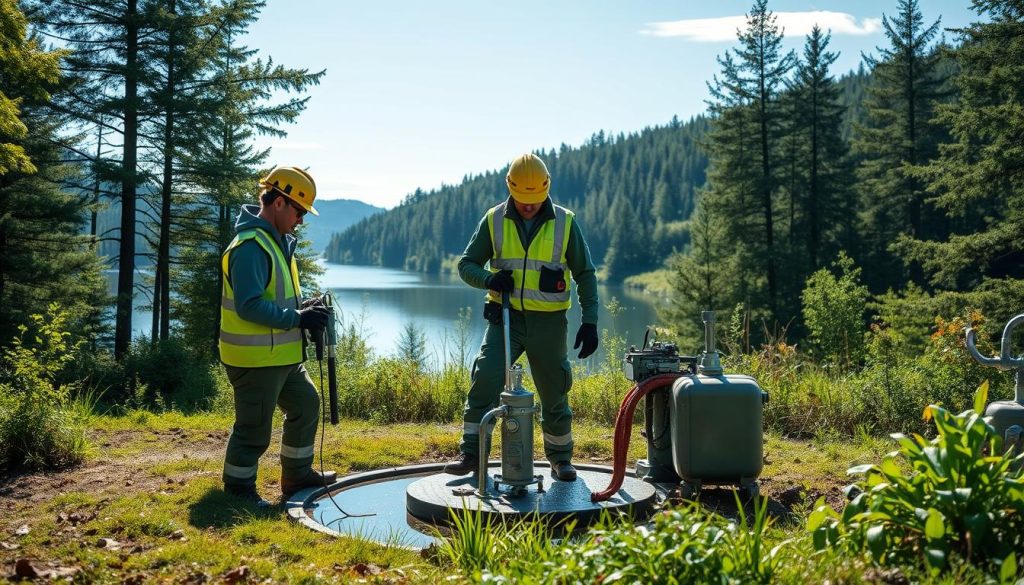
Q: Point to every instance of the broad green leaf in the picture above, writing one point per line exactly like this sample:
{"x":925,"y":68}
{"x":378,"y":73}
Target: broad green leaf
{"x":1008,"y":572}
{"x":981,"y":397}
{"x":858,"y":469}
{"x":934,"y":527}
{"x":936,"y":558}
{"x":876,"y":540}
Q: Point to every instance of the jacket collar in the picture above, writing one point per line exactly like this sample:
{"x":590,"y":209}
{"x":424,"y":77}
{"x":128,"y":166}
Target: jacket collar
{"x":547,"y":210}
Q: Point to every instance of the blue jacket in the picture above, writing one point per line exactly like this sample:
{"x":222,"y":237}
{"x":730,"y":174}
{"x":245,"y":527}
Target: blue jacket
{"x":249,"y":272}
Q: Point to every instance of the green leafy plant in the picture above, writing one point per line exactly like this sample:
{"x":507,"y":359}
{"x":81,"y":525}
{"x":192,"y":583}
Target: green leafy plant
{"x":833,"y":309}
{"x":39,"y":427}
{"x":957,"y":495}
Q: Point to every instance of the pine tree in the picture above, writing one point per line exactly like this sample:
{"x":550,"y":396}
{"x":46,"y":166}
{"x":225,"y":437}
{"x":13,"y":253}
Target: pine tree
{"x":45,"y":259}
{"x":897,"y":135}
{"x":105,"y":37}
{"x":827,"y":175}
{"x":978,"y":177}
{"x":743,"y":147}
{"x":224,"y":167}
{"x":700,"y":277}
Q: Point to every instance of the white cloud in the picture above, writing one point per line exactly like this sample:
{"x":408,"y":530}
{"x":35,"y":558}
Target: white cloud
{"x":713,"y":30}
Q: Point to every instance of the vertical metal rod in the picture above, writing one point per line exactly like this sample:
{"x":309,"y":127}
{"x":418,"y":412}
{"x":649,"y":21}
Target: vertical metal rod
{"x":508,"y":346}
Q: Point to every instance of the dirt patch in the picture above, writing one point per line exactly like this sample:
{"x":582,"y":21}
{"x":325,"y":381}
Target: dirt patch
{"x":106,"y":475}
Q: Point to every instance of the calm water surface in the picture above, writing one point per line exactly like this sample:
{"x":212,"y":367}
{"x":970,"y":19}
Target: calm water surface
{"x":381,"y":301}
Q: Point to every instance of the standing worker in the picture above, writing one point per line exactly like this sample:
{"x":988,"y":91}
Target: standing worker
{"x":261,"y":343}
{"x":533,"y":246}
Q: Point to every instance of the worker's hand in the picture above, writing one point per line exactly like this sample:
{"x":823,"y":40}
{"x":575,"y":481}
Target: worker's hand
{"x":587,"y":337}
{"x":500,"y":281}
{"x":314,"y":318}
{"x":312,"y":301}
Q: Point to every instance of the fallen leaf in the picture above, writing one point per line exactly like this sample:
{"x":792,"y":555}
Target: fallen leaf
{"x":236,"y":575}
{"x":22,"y":530}
{"x":364,"y":569}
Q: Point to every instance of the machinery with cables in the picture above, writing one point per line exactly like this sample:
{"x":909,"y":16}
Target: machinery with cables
{"x":702,"y":427}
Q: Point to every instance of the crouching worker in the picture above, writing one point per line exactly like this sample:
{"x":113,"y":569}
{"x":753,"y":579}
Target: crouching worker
{"x":261,"y":342}
{"x":532,"y":246}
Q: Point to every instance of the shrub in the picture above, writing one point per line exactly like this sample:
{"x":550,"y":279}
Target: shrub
{"x":834,"y":313}
{"x":962,"y":497}
{"x":38,"y":427}
{"x":168,"y":375}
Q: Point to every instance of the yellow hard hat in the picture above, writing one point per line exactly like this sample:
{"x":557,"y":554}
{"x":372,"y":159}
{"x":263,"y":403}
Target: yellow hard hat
{"x":528,"y":179}
{"x":294,"y":183}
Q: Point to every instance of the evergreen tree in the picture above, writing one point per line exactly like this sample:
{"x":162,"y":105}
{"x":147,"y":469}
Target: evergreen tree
{"x":701,"y":278}
{"x":978,"y":177}
{"x":45,"y":259}
{"x":825,"y":207}
{"x":105,"y":37}
{"x":412,"y":344}
{"x":743,"y":147}
{"x":223,"y":167}
{"x":896,"y":136}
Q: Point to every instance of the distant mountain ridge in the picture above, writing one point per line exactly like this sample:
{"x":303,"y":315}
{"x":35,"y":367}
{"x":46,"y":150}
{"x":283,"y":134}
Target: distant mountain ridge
{"x":336,"y":215}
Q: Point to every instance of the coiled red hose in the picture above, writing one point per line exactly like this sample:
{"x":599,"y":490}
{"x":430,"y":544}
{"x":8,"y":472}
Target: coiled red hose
{"x":623,"y":428}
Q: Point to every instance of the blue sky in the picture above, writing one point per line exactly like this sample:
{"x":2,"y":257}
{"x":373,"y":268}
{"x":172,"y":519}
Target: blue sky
{"x":422,"y":93}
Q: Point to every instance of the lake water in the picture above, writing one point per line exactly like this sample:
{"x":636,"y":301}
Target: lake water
{"x":385,"y":300}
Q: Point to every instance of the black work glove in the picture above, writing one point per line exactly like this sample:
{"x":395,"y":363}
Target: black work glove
{"x":312,"y":301}
{"x":500,"y":281}
{"x":314,"y":318}
{"x":586,"y":335}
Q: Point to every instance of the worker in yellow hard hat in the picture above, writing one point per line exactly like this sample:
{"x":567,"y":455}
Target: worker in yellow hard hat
{"x":531,"y":247}
{"x":262,"y":315}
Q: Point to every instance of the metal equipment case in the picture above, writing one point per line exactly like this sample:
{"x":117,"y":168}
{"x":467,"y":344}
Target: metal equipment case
{"x":716,"y":426}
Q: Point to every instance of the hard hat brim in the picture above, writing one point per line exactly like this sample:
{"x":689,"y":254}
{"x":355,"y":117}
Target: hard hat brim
{"x":265,"y":185}
{"x":527,"y":198}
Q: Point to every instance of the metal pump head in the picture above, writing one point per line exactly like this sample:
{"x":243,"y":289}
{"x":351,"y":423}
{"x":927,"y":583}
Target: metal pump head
{"x":709,"y":364}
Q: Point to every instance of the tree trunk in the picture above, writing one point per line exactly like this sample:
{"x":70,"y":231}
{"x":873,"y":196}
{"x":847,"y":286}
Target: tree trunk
{"x":126,"y":257}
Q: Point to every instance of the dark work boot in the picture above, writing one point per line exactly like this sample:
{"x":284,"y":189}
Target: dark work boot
{"x":563,"y":471}
{"x":466,"y":463}
{"x":248,"y":494}
{"x":312,"y":479}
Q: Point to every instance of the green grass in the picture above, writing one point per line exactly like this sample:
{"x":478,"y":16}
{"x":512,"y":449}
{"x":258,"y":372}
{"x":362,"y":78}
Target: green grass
{"x":175,"y":523}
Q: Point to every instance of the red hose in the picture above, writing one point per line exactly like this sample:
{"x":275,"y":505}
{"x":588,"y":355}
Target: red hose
{"x":623,"y":428}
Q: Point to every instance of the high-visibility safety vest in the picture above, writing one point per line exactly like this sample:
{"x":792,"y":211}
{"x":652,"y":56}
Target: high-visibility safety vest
{"x":540,"y":273}
{"x":245,"y":344}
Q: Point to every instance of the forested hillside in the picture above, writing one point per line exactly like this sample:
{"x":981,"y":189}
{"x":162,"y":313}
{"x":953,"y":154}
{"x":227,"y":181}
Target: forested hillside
{"x":630,"y":193}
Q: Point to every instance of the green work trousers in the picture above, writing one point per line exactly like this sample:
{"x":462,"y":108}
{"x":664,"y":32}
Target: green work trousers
{"x":258,"y":391}
{"x":542,"y":336}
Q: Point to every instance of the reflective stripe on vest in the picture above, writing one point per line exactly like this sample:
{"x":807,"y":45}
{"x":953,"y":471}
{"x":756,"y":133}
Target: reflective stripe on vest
{"x":246,"y":344}
{"x":547,"y":250}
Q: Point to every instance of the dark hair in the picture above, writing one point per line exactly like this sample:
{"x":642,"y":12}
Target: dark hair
{"x":268,"y":196}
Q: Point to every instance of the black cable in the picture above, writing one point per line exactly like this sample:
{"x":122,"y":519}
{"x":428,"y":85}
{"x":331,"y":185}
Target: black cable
{"x":323,"y":416}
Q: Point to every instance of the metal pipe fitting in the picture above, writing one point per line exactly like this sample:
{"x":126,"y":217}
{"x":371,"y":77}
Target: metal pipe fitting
{"x":485,"y":448}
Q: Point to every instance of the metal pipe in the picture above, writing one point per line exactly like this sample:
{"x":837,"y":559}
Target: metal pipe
{"x":1004,"y":346}
{"x":485,"y":448}
{"x":508,"y":345}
